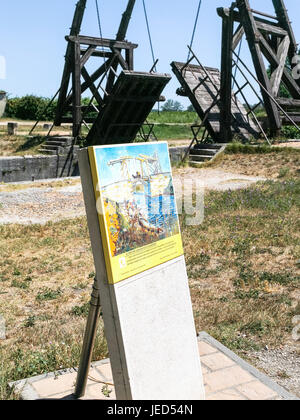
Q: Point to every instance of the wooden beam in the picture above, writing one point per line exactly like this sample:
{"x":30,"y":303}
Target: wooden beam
{"x":74,"y":31}
{"x":262,"y":24}
{"x":92,"y":87}
{"x":285,"y":22}
{"x":253,"y":38}
{"x":101,"y":42}
{"x":276,"y":77}
{"x":238,"y":35}
{"x":76,"y":76}
{"x":87,"y":55}
{"x":226,"y":79}
{"x":98,"y":53}
{"x":122,"y":31}
{"x":122,"y":61}
{"x":95,"y":76}
{"x":129,"y":59}
{"x":288,"y":80}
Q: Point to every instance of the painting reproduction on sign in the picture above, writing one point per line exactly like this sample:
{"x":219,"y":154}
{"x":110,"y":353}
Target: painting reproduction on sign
{"x":136,"y":206}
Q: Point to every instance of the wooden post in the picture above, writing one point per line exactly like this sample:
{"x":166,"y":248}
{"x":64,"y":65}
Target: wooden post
{"x":75,"y":30}
{"x":226,"y":78}
{"x":12,"y":128}
{"x":76,"y":75}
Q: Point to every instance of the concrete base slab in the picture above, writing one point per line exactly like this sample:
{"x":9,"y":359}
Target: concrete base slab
{"x":226,"y":377}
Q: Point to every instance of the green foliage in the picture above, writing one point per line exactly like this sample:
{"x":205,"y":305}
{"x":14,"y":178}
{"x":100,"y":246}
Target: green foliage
{"x":290,"y":132}
{"x":30,"y":107}
{"x":171,"y":105}
{"x":33,"y":108}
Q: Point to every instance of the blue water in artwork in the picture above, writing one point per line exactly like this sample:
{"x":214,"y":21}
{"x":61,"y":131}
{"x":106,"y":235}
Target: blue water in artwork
{"x":160,"y":211}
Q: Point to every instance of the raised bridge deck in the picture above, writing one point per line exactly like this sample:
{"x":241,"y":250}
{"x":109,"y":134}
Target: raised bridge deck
{"x":203,"y":92}
{"x":127,"y":107}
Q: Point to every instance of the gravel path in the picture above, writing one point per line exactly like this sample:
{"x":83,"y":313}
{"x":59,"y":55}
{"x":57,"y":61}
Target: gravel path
{"x":43,"y":204}
{"x":282,"y":365}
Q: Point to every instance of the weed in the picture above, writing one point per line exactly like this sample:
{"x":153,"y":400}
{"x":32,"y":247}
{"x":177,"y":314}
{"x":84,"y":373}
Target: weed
{"x":106,"y":391}
{"x":48,"y":294}
{"x":283,"y":172}
{"x":81,"y":310}
{"x":30,"y":322}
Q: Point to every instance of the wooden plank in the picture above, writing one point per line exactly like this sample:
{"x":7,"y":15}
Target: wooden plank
{"x":288,"y":102}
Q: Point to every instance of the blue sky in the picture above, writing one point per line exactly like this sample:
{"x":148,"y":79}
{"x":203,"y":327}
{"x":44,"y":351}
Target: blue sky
{"x":105,"y":154}
{"x":32,"y":37}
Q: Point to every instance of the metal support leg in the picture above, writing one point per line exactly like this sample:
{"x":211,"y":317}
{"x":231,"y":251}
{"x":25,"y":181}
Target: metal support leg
{"x":88,"y":343}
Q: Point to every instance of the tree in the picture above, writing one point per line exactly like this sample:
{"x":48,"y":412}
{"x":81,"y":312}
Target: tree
{"x":171,"y":105}
{"x":190,"y":108}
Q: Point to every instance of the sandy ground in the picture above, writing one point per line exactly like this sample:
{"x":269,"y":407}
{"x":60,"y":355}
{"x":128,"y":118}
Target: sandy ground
{"x":31,"y":204}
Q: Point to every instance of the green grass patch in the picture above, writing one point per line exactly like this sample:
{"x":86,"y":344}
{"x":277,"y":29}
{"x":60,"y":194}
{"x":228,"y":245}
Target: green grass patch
{"x":173,"y":117}
{"x":237,"y":148}
{"x":173,"y":132}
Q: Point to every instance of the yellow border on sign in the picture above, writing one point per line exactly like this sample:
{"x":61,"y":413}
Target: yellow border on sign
{"x":134,"y":262}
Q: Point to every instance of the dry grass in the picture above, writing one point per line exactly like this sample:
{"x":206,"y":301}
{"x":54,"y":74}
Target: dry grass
{"x":46,"y":274}
{"x":271,"y":165}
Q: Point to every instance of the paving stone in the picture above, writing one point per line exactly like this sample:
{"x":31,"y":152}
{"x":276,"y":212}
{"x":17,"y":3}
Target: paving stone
{"x":105,"y":372}
{"x":226,"y":378}
{"x":227,"y":395}
{"x":51,"y":386}
{"x":94,"y":392}
{"x":217,"y":361}
{"x":205,"y":348}
{"x":205,"y":370}
{"x":256,"y":391}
